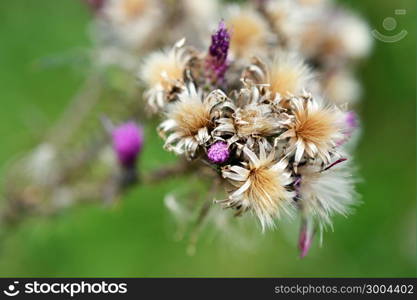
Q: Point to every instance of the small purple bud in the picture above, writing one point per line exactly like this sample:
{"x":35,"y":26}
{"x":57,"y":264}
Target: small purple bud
{"x":306,"y":238}
{"x":217,"y":63}
{"x":127,"y":143}
{"x":218,"y":153}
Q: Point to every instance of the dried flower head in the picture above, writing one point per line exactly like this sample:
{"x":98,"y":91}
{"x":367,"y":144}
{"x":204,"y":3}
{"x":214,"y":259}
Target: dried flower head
{"x":315,"y":130}
{"x":163,"y":73}
{"x":286,"y":19}
{"x":249,"y":33}
{"x":286,"y":74}
{"x":134,"y":8}
{"x":260,"y":186}
{"x":353,"y":34}
{"x":341,"y":88}
{"x":332,"y":35}
{"x":129,"y":23}
{"x":252,"y":120}
{"x":325,"y":191}
{"x":191,"y":120}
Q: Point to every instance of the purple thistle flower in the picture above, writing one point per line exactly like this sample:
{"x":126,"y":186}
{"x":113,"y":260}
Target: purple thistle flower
{"x":217,"y":57}
{"x":218,"y":153}
{"x":127,"y":143}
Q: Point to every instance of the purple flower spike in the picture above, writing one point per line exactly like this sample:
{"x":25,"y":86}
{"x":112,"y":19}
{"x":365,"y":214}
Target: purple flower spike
{"x":218,"y":153}
{"x":217,"y":57}
{"x":127,"y":143}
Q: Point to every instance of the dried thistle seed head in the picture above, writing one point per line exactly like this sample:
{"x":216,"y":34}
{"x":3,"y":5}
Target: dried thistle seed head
{"x":286,"y":74}
{"x":286,"y":18}
{"x":334,"y":34}
{"x":164,"y":67}
{"x":259,"y":186}
{"x":341,"y":88}
{"x":191,"y":114}
{"x":354,"y":37}
{"x":254,"y":117}
{"x":134,"y":8}
{"x":163,"y":73}
{"x":191,"y":119}
{"x":251,"y":121}
{"x":315,"y":130}
{"x":255,"y":120}
{"x":129,"y":24}
{"x":125,"y":11}
{"x":326,"y":191}
{"x":314,"y":3}
{"x":249,"y":33}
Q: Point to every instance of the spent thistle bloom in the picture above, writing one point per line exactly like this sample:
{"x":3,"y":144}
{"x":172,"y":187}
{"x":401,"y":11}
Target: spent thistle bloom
{"x":191,"y":120}
{"x":315,"y":131}
{"x":286,"y":74}
{"x":163,"y":72}
{"x":260,"y":186}
{"x":249,"y":33}
{"x":326,"y":191}
{"x":271,"y":136}
{"x":341,"y":87}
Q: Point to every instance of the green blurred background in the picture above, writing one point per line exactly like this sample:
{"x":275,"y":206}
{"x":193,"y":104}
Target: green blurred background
{"x":135,"y":237}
